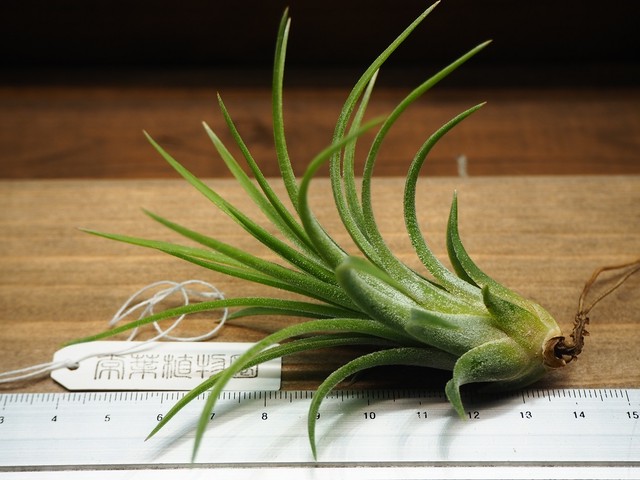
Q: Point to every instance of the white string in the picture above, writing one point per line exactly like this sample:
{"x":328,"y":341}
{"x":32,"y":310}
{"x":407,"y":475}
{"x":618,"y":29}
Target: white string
{"x":128,"y":308}
{"x":158,"y":297}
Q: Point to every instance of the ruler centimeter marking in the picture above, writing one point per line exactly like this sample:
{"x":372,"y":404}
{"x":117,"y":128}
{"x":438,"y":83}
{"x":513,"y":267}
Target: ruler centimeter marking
{"x":369,"y":427}
{"x":341,"y":395}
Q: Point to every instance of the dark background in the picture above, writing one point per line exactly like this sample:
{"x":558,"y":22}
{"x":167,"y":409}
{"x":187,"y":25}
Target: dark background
{"x":80,"y":79}
{"x":542,"y":42}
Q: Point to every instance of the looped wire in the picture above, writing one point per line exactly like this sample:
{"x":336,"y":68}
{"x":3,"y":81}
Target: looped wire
{"x":147,"y":307}
{"x":203,"y":291}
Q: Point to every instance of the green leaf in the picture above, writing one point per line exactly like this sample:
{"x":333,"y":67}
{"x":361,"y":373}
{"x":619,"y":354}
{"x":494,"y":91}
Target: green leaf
{"x":367,"y":327}
{"x":500,"y":360}
{"x":391,"y":119}
{"x":453,"y":333}
{"x":279,"y":136}
{"x":290,"y":348}
{"x":329,"y":249}
{"x":423,"y":357}
{"x":295,"y":231}
{"x":243,"y":179}
{"x":452,"y":283}
{"x":269,"y":305}
{"x":252,"y":268}
{"x":467,"y":269}
{"x":346,"y":199}
{"x":309,"y":265}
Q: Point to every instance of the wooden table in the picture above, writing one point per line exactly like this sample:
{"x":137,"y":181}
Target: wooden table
{"x":95,"y":131}
{"x":542,"y":236}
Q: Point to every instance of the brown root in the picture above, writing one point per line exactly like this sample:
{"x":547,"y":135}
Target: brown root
{"x":568,"y":350}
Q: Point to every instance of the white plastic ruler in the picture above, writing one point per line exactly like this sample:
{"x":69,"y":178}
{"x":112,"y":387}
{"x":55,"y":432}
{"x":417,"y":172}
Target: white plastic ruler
{"x":570,"y":433}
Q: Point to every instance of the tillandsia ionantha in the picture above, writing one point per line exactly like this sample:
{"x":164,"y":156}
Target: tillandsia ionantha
{"x":461,"y":321}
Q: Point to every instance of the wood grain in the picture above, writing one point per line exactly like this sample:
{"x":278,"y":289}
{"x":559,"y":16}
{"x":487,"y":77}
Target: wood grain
{"x":542,"y":236}
{"x":95,"y":131}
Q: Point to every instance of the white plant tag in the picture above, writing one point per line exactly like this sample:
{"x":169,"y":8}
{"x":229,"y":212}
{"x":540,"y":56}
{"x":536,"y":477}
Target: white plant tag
{"x":115,"y":365}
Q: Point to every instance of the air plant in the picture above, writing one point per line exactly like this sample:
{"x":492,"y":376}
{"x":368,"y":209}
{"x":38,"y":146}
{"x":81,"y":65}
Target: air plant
{"x":461,"y":320}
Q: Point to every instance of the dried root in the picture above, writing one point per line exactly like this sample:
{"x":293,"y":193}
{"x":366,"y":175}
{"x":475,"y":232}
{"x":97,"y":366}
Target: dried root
{"x":569,"y":350}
